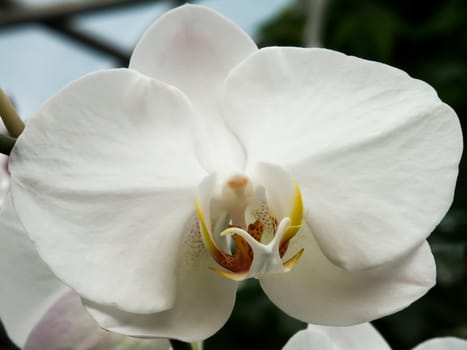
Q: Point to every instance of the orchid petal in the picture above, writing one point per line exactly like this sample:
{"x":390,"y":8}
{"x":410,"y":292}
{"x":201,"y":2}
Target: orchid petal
{"x":447,"y":343}
{"x":358,"y":337}
{"x":306,"y":340}
{"x":374,"y":151}
{"x":316,"y":291}
{"x":203,"y":302}
{"x":67,"y":325}
{"x":103,"y":179}
{"x":194,"y":48}
{"x":38,"y":310}
{"x":28,"y":286}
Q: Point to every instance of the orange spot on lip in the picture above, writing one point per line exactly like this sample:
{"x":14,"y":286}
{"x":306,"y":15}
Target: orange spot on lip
{"x":237,"y":181}
{"x":256,"y":230}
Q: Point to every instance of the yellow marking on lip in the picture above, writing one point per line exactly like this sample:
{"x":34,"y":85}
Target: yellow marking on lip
{"x":296,"y":216}
{"x":235,"y":276}
{"x":289,"y":264}
{"x":208,"y":241}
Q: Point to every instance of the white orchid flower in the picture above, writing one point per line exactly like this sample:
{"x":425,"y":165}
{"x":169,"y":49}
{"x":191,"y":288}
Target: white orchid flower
{"x":152,"y":190}
{"x":359,"y":337}
{"x":446,"y":343}
{"x":39,"y":311}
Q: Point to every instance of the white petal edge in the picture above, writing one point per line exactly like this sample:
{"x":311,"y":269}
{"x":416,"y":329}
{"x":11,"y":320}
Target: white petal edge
{"x":316,"y":291}
{"x":374,"y":151}
{"x":103,"y":179}
{"x":67,"y":325}
{"x":358,"y":337}
{"x":28,"y":287}
{"x":194,"y":48}
{"x":308,"y":340}
{"x":203,"y":303}
{"x":447,"y":343}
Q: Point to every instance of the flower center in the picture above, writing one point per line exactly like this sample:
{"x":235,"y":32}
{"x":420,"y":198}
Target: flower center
{"x":243,"y":234}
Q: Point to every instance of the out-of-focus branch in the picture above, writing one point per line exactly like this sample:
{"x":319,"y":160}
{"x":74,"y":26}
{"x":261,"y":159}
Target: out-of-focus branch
{"x":64,"y":27}
{"x":13,"y":15}
{"x":10,"y":117}
{"x":314,"y":26}
{"x":58,"y":18}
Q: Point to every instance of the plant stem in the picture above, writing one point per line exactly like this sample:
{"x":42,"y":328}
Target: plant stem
{"x":315,"y":23}
{"x":10,"y":117}
{"x":197,"y":346}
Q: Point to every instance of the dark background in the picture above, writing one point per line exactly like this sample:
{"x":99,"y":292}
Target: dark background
{"x":429,"y":41}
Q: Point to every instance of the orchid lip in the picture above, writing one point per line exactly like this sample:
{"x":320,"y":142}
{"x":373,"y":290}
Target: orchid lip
{"x":259,"y":240}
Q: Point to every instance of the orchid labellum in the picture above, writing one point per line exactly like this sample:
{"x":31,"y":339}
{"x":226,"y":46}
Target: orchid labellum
{"x":358,"y":337}
{"x":153,"y":190}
